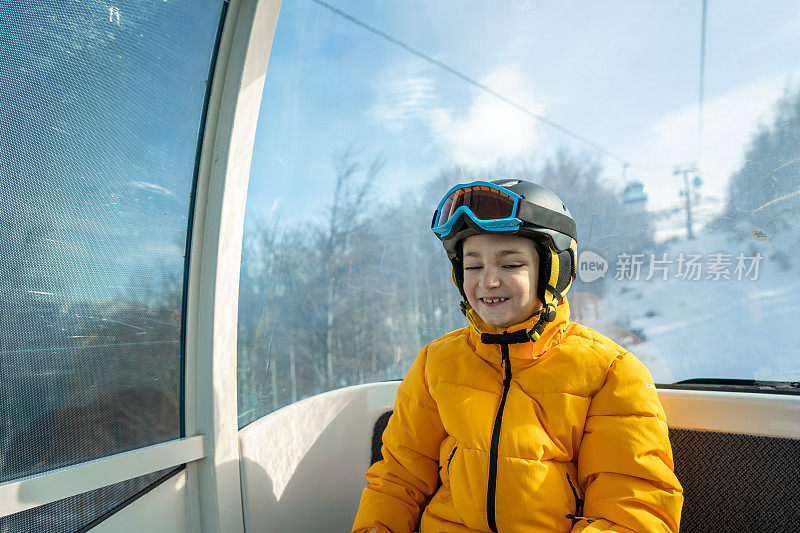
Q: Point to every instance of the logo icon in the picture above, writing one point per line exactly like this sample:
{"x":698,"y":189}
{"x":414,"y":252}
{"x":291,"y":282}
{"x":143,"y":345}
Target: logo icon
{"x":591,"y":266}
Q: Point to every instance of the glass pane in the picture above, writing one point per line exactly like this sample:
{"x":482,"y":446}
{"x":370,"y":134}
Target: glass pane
{"x":100,"y":109}
{"x":71,"y":514}
{"x":370,"y":113}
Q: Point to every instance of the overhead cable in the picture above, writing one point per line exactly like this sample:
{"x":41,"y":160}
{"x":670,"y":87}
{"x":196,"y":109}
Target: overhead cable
{"x":701,"y":95}
{"x":467,"y":79}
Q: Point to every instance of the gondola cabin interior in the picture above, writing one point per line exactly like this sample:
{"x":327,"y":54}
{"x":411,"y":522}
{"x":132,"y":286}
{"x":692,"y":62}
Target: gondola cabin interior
{"x":216,"y":262}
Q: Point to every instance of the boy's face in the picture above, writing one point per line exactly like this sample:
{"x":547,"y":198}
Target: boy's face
{"x":500,"y":278}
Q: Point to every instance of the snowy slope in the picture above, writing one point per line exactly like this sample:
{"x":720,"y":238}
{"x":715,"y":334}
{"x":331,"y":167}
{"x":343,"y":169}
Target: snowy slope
{"x":736,"y":328}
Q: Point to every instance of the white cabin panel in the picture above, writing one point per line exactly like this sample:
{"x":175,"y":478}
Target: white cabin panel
{"x":163,"y":509}
{"x":303,"y":466}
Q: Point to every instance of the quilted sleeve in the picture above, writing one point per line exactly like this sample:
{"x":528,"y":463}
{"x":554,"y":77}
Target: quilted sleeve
{"x":625,"y":466}
{"x":399,"y":486}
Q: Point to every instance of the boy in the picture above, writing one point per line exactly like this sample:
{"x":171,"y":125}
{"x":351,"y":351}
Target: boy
{"x":523,"y":421}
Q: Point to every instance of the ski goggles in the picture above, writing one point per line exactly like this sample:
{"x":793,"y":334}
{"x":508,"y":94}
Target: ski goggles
{"x":494,"y":209}
{"x":490,"y":206}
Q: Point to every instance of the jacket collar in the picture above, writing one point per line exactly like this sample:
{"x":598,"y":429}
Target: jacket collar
{"x":552,"y":335}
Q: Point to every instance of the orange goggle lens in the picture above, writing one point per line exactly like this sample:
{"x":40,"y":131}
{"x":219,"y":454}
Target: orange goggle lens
{"x":486,"y":203}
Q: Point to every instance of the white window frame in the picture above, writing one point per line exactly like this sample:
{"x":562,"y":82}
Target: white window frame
{"x":33,"y":491}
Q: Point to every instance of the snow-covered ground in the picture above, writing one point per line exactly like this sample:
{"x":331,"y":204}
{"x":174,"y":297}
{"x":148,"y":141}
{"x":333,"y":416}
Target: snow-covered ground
{"x":684,"y":328}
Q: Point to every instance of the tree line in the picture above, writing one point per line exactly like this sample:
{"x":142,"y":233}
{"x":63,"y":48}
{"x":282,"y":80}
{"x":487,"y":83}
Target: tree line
{"x":764,"y":191}
{"x":351,"y":297}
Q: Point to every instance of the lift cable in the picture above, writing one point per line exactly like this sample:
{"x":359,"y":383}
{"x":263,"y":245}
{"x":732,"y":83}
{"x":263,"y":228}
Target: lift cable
{"x":469,"y":80}
{"x":701,"y":96}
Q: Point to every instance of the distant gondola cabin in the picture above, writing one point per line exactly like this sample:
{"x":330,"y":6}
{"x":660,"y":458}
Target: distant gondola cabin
{"x":634,"y":196}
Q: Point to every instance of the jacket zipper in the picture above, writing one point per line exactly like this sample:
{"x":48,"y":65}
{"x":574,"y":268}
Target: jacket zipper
{"x":578,"y":505}
{"x":492,"y":488}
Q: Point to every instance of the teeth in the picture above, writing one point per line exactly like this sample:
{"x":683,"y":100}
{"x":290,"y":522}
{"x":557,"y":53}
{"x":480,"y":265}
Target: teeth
{"x":494,"y":300}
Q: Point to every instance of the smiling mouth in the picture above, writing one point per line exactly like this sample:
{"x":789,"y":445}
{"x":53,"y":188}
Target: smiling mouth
{"x":492,"y":301}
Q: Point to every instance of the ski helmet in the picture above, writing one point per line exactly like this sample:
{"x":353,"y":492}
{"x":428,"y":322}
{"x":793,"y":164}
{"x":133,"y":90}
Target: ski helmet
{"x":512,"y":207}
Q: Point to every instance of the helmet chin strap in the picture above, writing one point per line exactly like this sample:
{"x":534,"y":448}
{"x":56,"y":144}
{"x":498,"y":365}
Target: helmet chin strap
{"x":546,"y":315}
{"x":465,"y":309}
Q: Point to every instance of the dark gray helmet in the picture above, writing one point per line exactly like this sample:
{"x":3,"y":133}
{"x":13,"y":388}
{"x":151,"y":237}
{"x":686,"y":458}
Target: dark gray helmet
{"x":546,"y":220}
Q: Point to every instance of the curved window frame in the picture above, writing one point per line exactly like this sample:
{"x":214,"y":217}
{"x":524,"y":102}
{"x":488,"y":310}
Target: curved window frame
{"x":208,"y":392}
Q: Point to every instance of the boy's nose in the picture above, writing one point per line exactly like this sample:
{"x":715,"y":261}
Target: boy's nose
{"x":489,"y":279}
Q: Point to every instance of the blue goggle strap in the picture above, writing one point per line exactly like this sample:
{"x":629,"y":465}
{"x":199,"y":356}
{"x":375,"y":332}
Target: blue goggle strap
{"x":501,"y":224}
{"x":498,"y":224}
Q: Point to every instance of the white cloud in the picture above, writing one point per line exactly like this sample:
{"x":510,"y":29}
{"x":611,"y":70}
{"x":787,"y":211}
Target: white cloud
{"x":486,"y":131}
{"x":788,"y":31}
{"x":489,"y":130}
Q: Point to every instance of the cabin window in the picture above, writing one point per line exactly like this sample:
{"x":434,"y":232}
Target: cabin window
{"x":84,"y":510}
{"x":686,"y":205}
{"x":100,"y":112}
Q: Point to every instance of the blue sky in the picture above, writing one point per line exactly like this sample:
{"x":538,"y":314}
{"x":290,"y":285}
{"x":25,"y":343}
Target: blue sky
{"x":623,"y":74}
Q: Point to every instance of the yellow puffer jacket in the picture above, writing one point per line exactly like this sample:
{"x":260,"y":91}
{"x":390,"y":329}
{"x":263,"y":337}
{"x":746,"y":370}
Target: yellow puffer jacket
{"x":580,"y":443}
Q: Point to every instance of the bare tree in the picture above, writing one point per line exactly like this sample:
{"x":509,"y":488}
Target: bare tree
{"x":764,"y":191}
{"x":353,"y":185}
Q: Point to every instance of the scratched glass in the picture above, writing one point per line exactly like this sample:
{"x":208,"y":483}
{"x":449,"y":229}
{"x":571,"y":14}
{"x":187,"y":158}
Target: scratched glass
{"x":686,"y":208}
{"x":100,"y":112}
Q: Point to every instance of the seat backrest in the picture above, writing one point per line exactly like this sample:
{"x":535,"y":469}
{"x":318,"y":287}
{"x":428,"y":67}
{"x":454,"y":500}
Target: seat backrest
{"x":731,"y":482}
